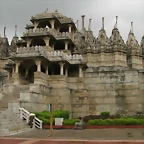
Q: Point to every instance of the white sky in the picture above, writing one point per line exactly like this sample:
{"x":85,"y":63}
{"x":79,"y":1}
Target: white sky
{"x":19,"y":12}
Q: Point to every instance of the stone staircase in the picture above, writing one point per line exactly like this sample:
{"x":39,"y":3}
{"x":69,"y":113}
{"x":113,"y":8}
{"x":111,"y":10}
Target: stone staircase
{"x":10,"y":121}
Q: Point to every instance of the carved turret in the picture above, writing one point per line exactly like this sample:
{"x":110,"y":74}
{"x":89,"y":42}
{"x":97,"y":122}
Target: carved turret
{"x":134,"y":51}
{"x":4,"y":45}
{"x":116,"y":41}
{"x":132,"y":44}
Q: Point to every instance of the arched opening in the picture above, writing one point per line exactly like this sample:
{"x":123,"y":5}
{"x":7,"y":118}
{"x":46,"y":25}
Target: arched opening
{"x":73,"y":71}
{"x":37,"y":42}
{"x":44,"y":24}
{"x":54,"y":69}
{"x":26,"y":71}
{"x":59,"y":45}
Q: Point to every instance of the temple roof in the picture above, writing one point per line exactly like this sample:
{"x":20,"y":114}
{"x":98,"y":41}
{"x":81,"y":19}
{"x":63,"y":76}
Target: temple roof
{"x":50,"y":15}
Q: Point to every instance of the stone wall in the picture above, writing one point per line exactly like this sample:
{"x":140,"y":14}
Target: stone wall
{"x":106,"y":59}
{"x":116,"y":89}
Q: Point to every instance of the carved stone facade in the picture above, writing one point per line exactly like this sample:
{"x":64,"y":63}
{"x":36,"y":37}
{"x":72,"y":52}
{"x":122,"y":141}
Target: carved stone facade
{"x":56,"y":63}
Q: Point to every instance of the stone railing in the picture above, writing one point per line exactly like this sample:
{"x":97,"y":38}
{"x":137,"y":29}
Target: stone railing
{"x":28,"y":49}
{"x":49,"y":55}
{"x":64,"y":55}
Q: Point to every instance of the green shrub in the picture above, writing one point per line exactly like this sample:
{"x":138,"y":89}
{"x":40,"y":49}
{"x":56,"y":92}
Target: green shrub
{"x":70,"y":122}
{"x":56,"y":114}
{"x":120,"y":121}
{"x":105,"y":113}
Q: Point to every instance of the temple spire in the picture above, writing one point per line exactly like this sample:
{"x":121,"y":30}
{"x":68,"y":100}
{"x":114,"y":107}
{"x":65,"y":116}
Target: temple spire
{"x":102,"y":22}
{"x":89,"y":27}
{"x":4,"y":32}
{"x":115,"y":26}
{"x":15,"y":30}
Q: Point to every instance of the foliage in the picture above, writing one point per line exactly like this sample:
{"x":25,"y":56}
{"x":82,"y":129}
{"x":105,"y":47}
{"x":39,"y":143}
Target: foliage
{"x":70,"y":122}
{"x":105,"y":113}
{"x":112,"y":122}
{"x":56,"y":114}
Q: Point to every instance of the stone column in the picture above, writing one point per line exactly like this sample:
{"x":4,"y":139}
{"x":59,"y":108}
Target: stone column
{"x":80,"y":71}
{"x":17,"y":67}
{"x":66,"y":45}
{"x":28,"y":42}
{"x":13,"y":69}
{"x":26,"y":73}
{"x":52,"y":23}
{"x":46,"y":39}
{"x":61,"y":68}
{"x":58,"y":29}
{"x":52,"y":46}
{"x":70,"y":28}
{"x":38,"y":63}
{"x":8,"y":75}
{"x":47,"y":72}
{"x":66,"y":71}
{"x":36,"y":24}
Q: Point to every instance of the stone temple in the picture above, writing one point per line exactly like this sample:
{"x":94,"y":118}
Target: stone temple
{"x":55,"y":62}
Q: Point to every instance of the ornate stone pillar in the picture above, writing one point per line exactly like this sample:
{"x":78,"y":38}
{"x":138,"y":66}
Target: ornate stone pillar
{"x":66,"y":71}
{"x":38,"y":63}
{"x":46,"y":39}
{"x":80,"y":71}
{"x":52,"y":23}
{"x":36,"y":24}
{"x":66,"y":45}
{"x":28,"y":42}
{"x":70,"y":28}
{"x":61,"y":68}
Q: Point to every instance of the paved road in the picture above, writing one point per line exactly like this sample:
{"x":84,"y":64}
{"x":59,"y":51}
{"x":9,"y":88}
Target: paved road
{"x":87,"y":136}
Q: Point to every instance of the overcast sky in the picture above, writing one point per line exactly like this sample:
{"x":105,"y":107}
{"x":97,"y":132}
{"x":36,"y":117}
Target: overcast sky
{"x":19,"y":12}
